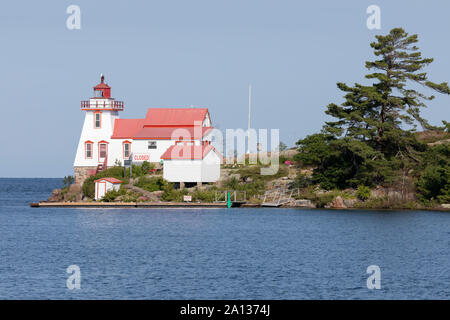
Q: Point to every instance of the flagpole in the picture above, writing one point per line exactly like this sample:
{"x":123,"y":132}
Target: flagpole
{"x":249,"y":109}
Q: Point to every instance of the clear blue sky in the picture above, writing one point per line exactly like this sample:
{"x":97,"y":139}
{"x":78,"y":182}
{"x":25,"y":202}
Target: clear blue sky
{"x":196,"y":52}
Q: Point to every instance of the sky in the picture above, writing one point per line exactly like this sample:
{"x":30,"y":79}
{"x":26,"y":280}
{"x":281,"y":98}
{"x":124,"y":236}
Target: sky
{"x":191,"y":53}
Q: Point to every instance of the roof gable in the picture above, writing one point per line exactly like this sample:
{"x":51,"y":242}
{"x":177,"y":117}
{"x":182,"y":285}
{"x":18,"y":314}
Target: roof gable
{"x":112,"y":180}
{"x":185,"y":152}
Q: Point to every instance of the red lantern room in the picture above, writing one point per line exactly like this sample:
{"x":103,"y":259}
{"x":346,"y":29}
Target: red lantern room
{"x":102,"y":99}
{"x":102,"y":90}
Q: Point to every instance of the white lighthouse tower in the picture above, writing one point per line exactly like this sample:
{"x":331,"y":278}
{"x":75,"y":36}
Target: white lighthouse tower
{"x":93,"y":146}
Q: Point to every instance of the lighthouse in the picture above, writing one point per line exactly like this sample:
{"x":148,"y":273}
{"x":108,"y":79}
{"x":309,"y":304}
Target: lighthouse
{"x":101,"y":112}
{"x":106,"y":140}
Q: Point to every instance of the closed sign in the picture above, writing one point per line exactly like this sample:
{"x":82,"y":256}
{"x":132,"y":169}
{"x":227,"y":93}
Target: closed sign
{"x":141,"y":157}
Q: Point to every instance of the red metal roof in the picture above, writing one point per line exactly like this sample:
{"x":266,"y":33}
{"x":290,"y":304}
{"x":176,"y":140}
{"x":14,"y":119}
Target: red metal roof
{"x":102,"y":86}
{"x":112,"y":180}
{"x":161,"y":123}
{"x":180,"y":133}
{"x":181,"y":117}
{"x":184,"y":152}
{"x":126,"y":128}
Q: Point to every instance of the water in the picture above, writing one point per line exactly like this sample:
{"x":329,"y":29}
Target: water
{"x":216,"y":253}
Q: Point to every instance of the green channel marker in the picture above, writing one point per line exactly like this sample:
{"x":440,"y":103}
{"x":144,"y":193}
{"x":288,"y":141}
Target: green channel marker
{"x":229,"y":200}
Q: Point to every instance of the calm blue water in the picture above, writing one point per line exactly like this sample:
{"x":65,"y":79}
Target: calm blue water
{"x":216,"y":253}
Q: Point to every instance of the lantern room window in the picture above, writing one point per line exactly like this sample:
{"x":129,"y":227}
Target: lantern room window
{"x":98,"y":93}
{"x":97,"y":120}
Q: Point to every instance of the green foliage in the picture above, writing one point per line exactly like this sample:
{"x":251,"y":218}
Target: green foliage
{"x":140,"y":170}
{"x":111,"y":195}
{"x":204,"y":195}
{"x":147,"y":166}
{"x":171,"y":194}
{"x":251,"y":189}
{"x":339,"y":163}
{"x":376,"y":113}
{"x":151,"y":183}
{"x":254,"y":172}
{"x":434,"y":180}
{"x":386,"y":203}
{"x":434,"y":184}
{"x":363,"y":192}
{"x":320,"y":199}
{"x":64,"y":191}
{"x":367,"y":142}
{"x":130,"y":196}
{"x":302,"y":181}
{"x":124,"y":194}
{"x":67,"y":181}
{"x":282,"y":146}
{"x":232,"y":183}
{"x":136,"y":171}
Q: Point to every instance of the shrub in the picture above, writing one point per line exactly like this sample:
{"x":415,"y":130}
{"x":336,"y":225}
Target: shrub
{"x":124,"y":194}
{"x":363,"y":192}
{"x":171,"y":194}
{"x":68,"y":180}
{"x":147,"y":166}
{"x":151,"y":184}
{"x":204,"y":195}
{"x":302,"y":181}
{"x":251,"y":189}
{"x":434,"y":184}
{"x":130,"y":196}
{"x":110,"y":196}
{"x":140,"y":170}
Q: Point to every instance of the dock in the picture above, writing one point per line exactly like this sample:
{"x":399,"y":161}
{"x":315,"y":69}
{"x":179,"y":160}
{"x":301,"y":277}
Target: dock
{"x":126,"y":205}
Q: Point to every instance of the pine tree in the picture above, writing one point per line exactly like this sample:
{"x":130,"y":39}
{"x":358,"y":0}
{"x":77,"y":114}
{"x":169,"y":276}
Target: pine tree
{"x":371,"y":140}
{"x":382,"y":112}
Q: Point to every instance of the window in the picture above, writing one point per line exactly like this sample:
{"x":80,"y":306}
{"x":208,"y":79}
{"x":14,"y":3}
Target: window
{"x":152,"y":144}
{"x":102,"y":150}
{"x":126,"y":149}
{"x":88,"y":150}
{"x":97,"y":120}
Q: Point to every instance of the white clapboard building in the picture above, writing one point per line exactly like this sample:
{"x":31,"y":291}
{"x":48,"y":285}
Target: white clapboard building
{"x":185,"y":162}
{"x":106,"y":139}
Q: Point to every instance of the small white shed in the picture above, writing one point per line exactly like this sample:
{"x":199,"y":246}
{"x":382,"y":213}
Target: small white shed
{"x":191,"y":163}
{"x":104,"y":185}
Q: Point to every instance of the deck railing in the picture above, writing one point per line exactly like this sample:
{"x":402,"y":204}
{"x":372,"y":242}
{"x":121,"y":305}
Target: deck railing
{"x":114,"y":105}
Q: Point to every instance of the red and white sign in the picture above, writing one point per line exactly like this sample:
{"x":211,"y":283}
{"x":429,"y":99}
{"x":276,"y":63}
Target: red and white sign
{"x":138,"y":157}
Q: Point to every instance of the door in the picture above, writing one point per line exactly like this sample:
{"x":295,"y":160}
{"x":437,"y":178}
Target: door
{"x":101,"y":190}
{"x":102,"y":152}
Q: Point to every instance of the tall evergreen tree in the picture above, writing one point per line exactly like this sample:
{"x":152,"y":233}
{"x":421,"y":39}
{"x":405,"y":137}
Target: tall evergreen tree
{"x":379,"y":112}
{"x":371,"y":140}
